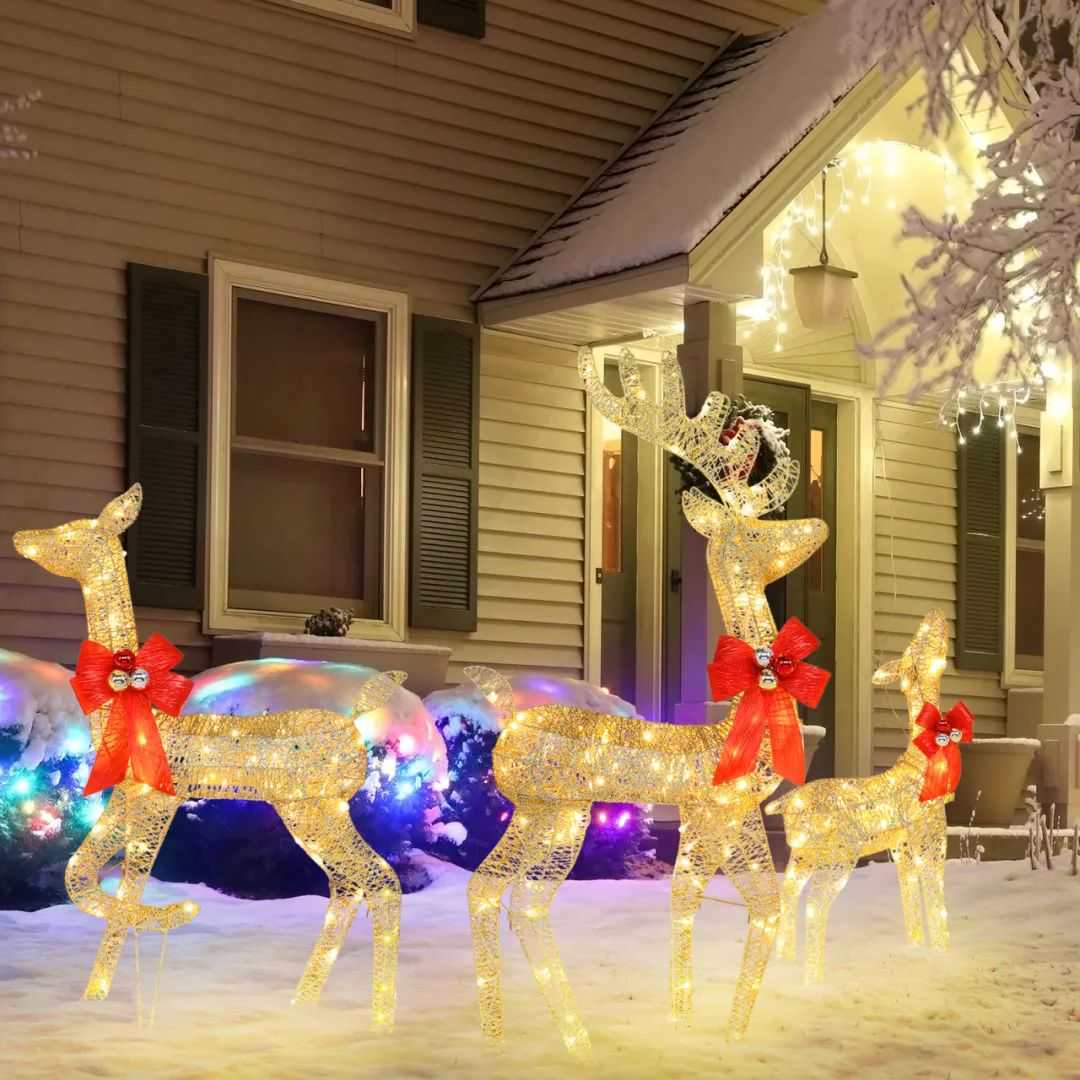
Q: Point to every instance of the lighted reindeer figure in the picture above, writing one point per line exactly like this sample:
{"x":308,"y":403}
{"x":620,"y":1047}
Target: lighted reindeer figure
{"x":306,"y":763}
{"x":831,"y":824}
{"x":552,"y":762}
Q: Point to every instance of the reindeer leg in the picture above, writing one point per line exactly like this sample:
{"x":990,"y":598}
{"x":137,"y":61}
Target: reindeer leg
{"x":747,"y":862}
{"x":827,"y":883}
{"x":796,"y":876}
{"x":554,"y":839}
{"x":324,"y":829}
{"x":486,"y":887}
{"x":928,"y":841}
{"x":146,"y":819}
{"x":908,"y":875}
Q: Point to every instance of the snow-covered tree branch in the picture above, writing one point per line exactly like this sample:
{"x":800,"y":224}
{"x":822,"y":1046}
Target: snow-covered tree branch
{"x":1011,"y":263}
{"x":13,"y":140}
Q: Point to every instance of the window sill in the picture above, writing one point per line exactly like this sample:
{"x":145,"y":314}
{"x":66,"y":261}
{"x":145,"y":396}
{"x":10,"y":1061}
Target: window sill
{"x":1018,"y":679}
{"x":425,"y":664}
{"x":401,"y":19}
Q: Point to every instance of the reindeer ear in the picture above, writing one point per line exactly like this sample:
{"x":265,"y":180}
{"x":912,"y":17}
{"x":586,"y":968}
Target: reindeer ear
{"x":887,"y":674}
{"x":120,"y":514}
{"x":704,"y":514}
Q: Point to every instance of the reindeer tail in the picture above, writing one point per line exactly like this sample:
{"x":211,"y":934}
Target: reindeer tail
{"x":495,"y":687}
{"x":378,"y":690}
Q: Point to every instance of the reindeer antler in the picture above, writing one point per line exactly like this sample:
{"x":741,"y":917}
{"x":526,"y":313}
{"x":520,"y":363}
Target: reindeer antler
{"x":697,"y":440}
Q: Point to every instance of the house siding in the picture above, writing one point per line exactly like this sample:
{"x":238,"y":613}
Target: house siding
{"x":531,"y":567}
{"x":170,"y":129}
{"x":915,"y":555}
{"x":828,"y":353}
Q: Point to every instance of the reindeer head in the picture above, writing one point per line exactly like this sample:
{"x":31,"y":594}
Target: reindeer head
{"x":919,"y":670}
{"x":74,"y":550}
{"x":725,"y":459}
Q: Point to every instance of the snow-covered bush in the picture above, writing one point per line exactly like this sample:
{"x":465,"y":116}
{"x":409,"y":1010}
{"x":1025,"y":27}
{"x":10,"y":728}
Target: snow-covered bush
{"x":475,"y":815}
{"x":44,"y":739}
{"x":242,"y":847}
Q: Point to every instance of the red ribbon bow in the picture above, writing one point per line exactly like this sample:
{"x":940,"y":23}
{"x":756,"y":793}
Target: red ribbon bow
{"x":771,"y":678}
{"x":133,"y":682}
{"x":940,"y":741}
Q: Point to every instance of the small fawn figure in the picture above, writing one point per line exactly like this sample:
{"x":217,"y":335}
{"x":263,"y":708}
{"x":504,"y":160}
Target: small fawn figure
{"x":306,"y":762}
{"x":831,"y":824}
{"x":553,"y":762}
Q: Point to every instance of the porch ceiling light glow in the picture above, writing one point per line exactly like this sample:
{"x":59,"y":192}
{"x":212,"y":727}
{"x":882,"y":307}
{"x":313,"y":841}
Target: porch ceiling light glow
{"x":822,"y":292}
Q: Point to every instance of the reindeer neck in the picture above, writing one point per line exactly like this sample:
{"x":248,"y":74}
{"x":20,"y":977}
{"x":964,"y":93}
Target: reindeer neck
{"x":110,"y":618}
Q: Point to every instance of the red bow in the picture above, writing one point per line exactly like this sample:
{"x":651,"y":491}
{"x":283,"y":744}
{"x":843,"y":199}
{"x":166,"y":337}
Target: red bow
{"x":771,"y":678}
{"x":939,"y":741}
{"x":133,"y":682}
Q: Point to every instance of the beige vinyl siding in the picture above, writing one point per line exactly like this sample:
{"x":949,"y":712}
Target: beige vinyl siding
{"x":532,"y":512}
{"x":915,"y":556}
{"x":170,"y":129}
{"x":828,"y":353}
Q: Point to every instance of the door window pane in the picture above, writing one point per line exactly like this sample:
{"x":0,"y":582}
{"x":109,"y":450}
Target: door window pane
{"x":815,"y":507}
{"x":1030,"y":527}
{"x":613,"y":498}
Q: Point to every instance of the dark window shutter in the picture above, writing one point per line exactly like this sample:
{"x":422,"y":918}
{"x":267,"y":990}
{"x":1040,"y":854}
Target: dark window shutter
{"x":445,"y":474}
{"x":167,"y":342}
{"x":458,"y":16}
{"x":981,"y":555}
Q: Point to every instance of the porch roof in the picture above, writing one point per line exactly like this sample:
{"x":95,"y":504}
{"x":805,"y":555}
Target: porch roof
{"x":675,"y":182}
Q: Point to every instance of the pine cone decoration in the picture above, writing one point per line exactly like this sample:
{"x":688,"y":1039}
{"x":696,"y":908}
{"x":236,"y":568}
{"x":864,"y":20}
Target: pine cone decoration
{"x":330,"y":622}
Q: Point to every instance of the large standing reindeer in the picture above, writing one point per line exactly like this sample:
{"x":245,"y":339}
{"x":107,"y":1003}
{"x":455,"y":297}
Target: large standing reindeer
{"x":831,"y":824}
{"x":307,"y":763}
{"x":554,"y":762}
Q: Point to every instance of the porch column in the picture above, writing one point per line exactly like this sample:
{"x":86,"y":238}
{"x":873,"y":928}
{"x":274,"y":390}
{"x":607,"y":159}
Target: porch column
{"x":1059,"y":468}
{"x":710,"y":360}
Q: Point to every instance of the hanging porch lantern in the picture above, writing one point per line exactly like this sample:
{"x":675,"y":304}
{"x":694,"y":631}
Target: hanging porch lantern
{"x":822,"y":292}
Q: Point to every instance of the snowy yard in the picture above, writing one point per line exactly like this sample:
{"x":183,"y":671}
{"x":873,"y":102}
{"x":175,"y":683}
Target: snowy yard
{"x":1004,"y":1003}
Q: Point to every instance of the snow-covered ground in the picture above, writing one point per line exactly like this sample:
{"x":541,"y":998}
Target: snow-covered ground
{"x":1005,"y":1002}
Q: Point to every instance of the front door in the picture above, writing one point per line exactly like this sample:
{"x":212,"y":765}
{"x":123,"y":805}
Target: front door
{"x":618,"y":566}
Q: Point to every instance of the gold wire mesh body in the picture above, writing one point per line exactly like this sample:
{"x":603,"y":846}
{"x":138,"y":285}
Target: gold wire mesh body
{"x":552,"y":762}
{"x":307,"y":763}
{"x":831,"y":824}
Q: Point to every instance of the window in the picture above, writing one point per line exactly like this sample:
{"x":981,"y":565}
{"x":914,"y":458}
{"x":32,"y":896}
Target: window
{"x":384,"y":14}
{"x":307,"y":461}
{"x":1025,"y":542}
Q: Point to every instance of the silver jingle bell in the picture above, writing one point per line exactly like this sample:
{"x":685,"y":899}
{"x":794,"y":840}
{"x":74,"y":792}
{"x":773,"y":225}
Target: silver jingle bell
{"x":767,"y":679}
{"x":140,"y":679}
{"x":956,"y":735}
{"x":763,"y":655}
{"x":942,"y":739}
{"x":118,"y":680}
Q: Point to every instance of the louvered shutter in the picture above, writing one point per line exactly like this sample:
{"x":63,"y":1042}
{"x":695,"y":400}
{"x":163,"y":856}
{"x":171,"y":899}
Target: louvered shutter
{"x":459,"y":16}
{"x":445,"y":474}
{"x":167,"y":330}
{"x":981,"y":555}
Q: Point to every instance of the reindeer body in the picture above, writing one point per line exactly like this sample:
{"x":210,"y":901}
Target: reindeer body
{"x":307,"y":763}
{"x":831,"y":824}
{"x":553,"y":762}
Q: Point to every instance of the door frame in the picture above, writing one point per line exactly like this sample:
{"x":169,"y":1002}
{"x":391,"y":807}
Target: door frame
{"x":650,"y":544}
{"x":855,"y":444}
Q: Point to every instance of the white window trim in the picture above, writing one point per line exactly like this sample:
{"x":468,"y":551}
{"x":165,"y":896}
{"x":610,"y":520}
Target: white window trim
{"x":400,"y":18}
{"x":1013,"y":677}
{"x":226,"y":276}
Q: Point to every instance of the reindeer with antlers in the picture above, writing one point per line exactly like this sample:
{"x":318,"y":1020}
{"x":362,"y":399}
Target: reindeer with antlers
{"x":553,"y":762}
{"x":831,"y":824}
{"x":307,"y":763}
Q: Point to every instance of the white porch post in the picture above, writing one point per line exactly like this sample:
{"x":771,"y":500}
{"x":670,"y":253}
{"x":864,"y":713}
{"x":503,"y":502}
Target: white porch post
{"x":710,"y":360}
{"x":1060,"y":477}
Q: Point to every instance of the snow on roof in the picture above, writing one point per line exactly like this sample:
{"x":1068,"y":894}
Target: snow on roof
{"x":676,"y":181}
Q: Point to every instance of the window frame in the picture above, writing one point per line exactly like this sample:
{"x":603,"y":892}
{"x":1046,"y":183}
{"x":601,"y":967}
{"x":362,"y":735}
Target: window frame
{"x":227,"y":278}
{"x":398,"y":19}
{"x":1013,"y":677}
